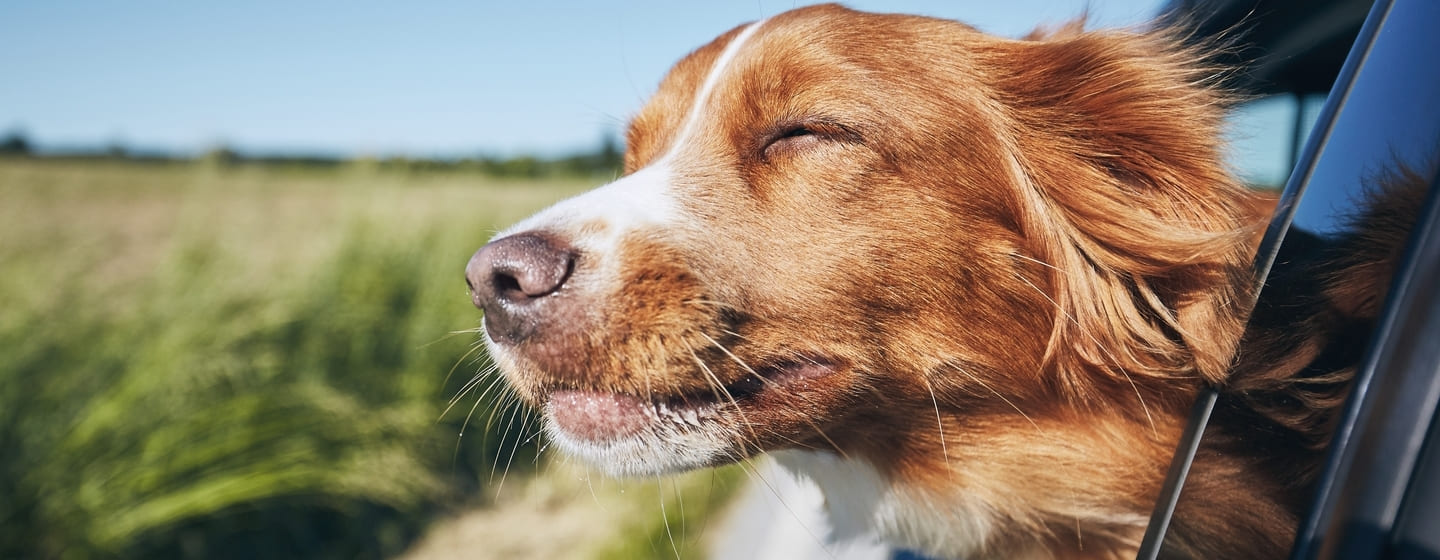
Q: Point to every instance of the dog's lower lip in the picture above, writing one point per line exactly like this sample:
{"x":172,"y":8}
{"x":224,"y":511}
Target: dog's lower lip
{"x":595,"y":415}
{"x":600,"y":416}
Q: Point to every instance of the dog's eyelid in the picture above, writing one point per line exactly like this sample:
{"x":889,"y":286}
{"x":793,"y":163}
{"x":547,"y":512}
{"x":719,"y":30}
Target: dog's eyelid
{"x":798,"y":134}
{"x":794,"y":131}
{"x":829,"y":128}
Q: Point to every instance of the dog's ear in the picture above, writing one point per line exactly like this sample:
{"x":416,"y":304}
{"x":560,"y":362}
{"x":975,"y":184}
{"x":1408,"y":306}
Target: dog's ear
{"x":1123,"y":188}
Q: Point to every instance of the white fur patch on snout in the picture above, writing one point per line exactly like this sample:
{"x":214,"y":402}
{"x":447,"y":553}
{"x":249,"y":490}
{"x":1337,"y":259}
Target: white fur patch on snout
{"x":596,"y":221}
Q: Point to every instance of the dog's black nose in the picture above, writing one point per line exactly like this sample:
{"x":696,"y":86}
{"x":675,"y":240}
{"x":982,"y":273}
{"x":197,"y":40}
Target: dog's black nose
{"x":511,"y":279}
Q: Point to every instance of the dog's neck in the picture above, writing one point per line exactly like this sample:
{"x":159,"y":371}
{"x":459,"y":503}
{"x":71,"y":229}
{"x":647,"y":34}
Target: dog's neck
{"x":863,"y":502}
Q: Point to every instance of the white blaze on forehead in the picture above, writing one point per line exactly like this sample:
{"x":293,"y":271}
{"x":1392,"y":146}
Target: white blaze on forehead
{"x":596,"y":220}
{"x":716,"y":71}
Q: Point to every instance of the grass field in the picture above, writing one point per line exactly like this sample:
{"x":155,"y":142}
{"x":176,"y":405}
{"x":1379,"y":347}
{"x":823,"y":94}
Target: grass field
{"x":211,"y":361}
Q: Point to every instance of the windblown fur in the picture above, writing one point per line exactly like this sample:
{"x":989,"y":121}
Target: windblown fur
{"x":982,"y":278}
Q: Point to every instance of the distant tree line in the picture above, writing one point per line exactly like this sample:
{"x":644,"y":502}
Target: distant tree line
{"x":15,"y":143}
{"x":603,"y":161}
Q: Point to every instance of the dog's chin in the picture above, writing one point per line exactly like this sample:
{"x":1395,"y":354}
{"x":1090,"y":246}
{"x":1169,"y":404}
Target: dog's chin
{"x":660,"y":447}
{"x":630,"y":435}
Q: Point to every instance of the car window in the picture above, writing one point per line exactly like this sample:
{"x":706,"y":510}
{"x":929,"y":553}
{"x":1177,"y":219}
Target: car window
{"x":1375,"y":141}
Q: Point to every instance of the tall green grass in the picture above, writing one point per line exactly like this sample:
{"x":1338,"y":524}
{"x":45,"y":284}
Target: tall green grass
{"x":208,"y":362}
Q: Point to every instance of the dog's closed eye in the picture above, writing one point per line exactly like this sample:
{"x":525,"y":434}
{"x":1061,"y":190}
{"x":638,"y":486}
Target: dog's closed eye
{"x":789,"y":139}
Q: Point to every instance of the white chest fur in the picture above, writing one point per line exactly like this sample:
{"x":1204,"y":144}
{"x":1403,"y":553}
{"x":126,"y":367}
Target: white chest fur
{"x":863,"y":503}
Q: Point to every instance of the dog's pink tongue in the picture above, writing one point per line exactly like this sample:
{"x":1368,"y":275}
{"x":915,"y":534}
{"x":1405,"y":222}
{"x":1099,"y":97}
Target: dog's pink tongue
{"x":598,"y":416}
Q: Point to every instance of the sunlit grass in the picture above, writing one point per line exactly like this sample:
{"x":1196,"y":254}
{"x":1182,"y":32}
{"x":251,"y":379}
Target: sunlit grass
{"x":571,"y":512}
{"x":206,"y":362}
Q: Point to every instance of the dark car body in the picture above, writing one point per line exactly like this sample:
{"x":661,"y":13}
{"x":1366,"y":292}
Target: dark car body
{"x":1379,"y":493}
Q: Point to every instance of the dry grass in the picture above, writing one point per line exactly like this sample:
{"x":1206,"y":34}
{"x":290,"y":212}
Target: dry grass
{"x":568,"y":512}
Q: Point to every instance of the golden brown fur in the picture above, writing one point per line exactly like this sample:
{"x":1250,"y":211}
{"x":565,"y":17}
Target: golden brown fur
{"x":1004,"y":267}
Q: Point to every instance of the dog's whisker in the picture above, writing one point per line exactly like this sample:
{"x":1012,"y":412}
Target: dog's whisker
{"x":459,"y":437}
{"x":939,"y":425}
{"x":1025,"y":257}
{"x":448,"y":374}
{"x":460,"y":394}
{"x":519,"y":418}
{"x":538,"y":433}
{"x":748,"y":465}
{"x":737,"y":335}
{"x":998,"y":394}
{"x":679,"y":501}
{"x":448,"y":336}
{"x":544,"y":445}
{"x":515,"y":448}
{"x":495,"y":463}
{"x":716,"y":383}
{"x":470,"y":386}
{"x":710,"y":303}
{"x":774,"y":385}
{"x":1136,"y":388}
{"x":500,"y":404}
{"x":660,"y":491}
{"x":591,"y":486}
{"x":780,"y":435}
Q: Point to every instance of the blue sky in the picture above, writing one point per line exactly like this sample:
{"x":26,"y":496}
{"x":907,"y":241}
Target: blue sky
{"x":415,"y":78}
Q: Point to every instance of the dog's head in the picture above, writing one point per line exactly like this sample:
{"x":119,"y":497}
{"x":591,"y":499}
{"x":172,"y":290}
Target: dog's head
{"x":838,"y":229}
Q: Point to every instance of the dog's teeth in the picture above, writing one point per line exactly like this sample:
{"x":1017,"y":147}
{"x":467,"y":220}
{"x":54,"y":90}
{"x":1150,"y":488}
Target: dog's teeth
{"x":680,"y":415}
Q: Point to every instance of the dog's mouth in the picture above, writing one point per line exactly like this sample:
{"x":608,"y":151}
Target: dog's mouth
{"x":598,"y":416}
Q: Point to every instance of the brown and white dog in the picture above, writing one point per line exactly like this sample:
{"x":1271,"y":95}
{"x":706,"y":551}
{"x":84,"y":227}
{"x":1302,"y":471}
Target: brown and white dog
{"x":969,"y":285}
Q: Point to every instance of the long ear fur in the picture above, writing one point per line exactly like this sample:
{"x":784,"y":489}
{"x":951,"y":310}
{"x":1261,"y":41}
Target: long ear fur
{"x":1118,"y":144}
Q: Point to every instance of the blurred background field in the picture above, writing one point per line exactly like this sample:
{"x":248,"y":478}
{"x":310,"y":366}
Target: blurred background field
{"x":217,"y":358}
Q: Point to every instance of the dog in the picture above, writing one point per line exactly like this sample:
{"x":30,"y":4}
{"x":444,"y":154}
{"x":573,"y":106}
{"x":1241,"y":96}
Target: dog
{"x":968,"y":285}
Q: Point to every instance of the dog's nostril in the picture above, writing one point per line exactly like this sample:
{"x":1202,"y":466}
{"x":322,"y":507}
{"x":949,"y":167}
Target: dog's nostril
{"x":524,"y":266}
{"x":509,"y":276}
{"x":507,"y":286}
